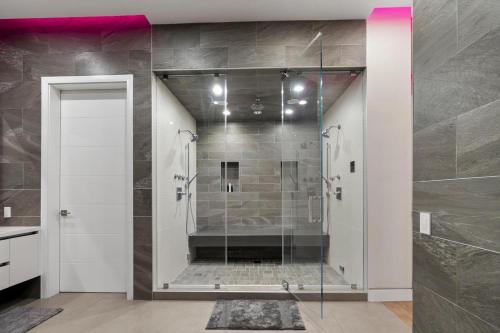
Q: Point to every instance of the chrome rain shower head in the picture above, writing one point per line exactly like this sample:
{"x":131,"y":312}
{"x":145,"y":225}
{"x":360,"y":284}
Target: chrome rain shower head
{"x":325,"y":132}
{"x":194,"y":136}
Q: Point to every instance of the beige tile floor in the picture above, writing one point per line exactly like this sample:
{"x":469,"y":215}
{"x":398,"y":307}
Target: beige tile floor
{"x":92,"y":313}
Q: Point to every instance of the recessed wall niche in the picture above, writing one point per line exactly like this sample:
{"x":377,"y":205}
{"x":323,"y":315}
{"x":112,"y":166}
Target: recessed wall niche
{"x":230,"y":176}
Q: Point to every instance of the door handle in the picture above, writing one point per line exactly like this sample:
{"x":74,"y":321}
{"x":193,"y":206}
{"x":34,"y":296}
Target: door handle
{"x":64,"y":212}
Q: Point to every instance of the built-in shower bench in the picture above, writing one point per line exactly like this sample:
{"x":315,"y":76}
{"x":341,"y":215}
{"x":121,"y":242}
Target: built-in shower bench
{"x":258,"y":243}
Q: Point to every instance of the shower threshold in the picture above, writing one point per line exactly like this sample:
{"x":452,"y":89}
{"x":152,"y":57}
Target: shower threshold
{"x":303,"y":293}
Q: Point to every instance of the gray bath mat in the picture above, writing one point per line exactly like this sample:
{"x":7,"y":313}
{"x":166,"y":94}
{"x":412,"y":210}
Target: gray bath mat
{"x":21,"y":319}
{"x":256,"y":315}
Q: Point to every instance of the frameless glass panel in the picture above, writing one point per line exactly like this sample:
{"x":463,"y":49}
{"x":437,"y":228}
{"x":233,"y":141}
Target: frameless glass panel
{"x":254,"y":204}
{"x":196,"y":158}
{"x":303,"y":237}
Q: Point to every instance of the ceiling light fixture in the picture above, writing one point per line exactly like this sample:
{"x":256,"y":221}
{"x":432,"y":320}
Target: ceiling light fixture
{"x":257,"y":112}
{"x":298,"y":88}
{"x":217,"y":89}
{"x":288,"y":111}
{"x":302,"y":102}
{"x":226,"y":112}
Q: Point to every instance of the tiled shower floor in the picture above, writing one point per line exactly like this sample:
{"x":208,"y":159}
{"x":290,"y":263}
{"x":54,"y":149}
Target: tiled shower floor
{"x":249,"y":273}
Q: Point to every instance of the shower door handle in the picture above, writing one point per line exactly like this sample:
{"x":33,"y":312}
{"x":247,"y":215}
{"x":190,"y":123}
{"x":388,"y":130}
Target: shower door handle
{"x":309,"y":208}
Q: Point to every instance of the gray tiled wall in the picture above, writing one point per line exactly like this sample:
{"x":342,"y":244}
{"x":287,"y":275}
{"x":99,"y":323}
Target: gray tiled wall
{"x":257,"y":44}
{"x":259,"y":147}
{"x":27,"y":56}
{"x":457,"y":165}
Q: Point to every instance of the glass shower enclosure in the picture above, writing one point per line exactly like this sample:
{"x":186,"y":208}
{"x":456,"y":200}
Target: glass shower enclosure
{"x":243,"y":178}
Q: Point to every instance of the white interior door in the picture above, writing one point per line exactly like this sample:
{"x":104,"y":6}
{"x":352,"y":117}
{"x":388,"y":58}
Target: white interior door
{"x":93,"y":191}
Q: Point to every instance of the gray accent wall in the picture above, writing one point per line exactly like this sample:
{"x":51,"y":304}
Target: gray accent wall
{"x":257,"y":45}
{"x":123,"y":47}
{"x":264,"y":200}
{"x":457,"y":165}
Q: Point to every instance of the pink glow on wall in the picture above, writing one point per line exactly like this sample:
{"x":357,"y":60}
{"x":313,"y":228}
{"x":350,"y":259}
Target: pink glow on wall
{"x":73,"y":24}
{"x":391,"y":13}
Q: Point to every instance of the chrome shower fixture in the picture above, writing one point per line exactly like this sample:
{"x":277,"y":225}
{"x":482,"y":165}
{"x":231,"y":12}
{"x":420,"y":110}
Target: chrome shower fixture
{"x":194,"y":136}
{"x":325,"y":132}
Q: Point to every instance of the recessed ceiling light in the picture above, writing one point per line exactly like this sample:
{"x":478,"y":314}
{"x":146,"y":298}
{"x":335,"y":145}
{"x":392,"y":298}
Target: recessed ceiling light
{"x":170,"y":122}
{"x":217,"y":89}
{"x":226,"y":112}
{"x":289,"y":111}
{"x":302,"y":102}
{"x":298,"y":88}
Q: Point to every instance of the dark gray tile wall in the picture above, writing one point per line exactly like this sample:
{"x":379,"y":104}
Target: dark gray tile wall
{"x":259,"y":147}
{"x":456,"y":165}
{"x":120,"y":48}
{"x":257,"y":44}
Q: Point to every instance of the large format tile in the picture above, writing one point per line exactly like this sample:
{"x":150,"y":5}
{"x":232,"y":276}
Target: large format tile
{"x":431,"y":312}
{"x":143,"y":267}
{"x":228,"y":34}
{"x":102,"y":63}
{"x":200,"y":58}
{"x":434,"y":34}
{"x":36,"y":66}
{"x":482,"y":230}
{"x":478,"y":142}
{"x":435,"y":265}
{"x":467,"y":197}
{"x":143,"y":202}
{"x":478,"y":276}
{"x":434,"y":151}
{"x":468,"y":80}
{"x":469,"y":323}
{"x":11,"y":175}
{"x":475,"y":19}
{"x":23,"y":202}
{"x":285,"y":33}
{"x":341,"y":32}
{"x":74,"y":42}
{"x":178,"y":36}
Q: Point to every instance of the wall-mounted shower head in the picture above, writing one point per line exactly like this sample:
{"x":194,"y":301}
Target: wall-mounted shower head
{"x":194,"y":136}
{"x":325,"y":132}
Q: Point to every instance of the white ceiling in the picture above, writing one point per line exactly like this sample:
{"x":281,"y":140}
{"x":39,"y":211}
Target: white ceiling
{"x":185,"y":11}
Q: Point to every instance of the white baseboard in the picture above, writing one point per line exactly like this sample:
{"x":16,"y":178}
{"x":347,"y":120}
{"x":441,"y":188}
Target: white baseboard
{"x":388,"y":295}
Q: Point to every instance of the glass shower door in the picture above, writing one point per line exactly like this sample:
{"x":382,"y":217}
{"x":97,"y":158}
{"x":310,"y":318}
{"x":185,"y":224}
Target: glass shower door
{"x":301,"y":170}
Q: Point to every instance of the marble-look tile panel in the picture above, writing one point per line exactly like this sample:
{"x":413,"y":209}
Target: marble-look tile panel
{"x":465,"y":82}
{"x":163,"y":58}
{"x":467,"y":197}
{"x":431,"y":312}
{"x":119,"y":37}
{"x":435,"y":265}
{"x":434,"y":34}
{"x":228,"y":34}
{"x":482,"y":231}
{"x":142,"y":146}
{"x":102,"y":63}
{"x":142,"y":174}
{"x":11,"y":175}
{"x":143,"y":205}
{"x":475,"y":19}
{"x":32,"y":174}
{"x":478,"y":142}
{"x":23,"y":202}
{"x":38,"y":65}
{"x":143,"y":255}
{"x":74,"y":42}
{"x":16,"y":221}
{"x":341,"y":32}
{"x":178,"y":36}
{"x":478,"y":288}
{"x":196,"y":58}
{"x":434,"y":151}
{"x":20,"y":94}
{"x":284,"y":33}
{"x":469,"y":323}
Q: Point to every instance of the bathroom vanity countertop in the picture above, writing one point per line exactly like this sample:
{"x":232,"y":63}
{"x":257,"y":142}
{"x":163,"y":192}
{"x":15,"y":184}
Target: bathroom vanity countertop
{"x":15,"y":231}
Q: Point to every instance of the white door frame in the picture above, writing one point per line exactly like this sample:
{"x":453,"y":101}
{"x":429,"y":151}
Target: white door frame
{"x":50,"y":171}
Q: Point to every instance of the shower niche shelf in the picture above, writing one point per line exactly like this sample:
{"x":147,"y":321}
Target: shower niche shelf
{"x":231,"y":181}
